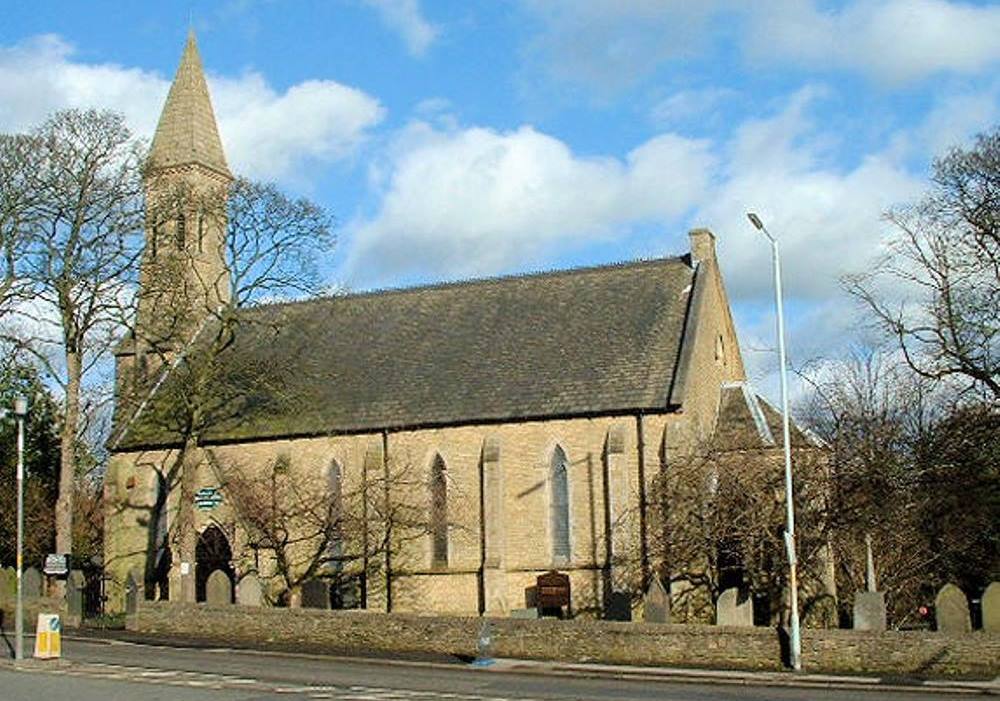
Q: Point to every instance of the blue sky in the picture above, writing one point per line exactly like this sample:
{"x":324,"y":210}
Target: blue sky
{"x":463,"y":138}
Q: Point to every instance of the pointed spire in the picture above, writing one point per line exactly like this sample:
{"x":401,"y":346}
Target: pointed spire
{"x":187,"y":132}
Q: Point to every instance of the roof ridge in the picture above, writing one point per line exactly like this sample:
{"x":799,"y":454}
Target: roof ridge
{"x":472,"y":281}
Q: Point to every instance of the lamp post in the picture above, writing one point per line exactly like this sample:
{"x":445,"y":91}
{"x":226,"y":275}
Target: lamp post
{"x":20,"y":411}
{"x":795,"y":635}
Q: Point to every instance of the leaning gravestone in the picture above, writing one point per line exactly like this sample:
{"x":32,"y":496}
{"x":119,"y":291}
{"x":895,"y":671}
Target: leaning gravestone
{"x":31,"y":580}
{"x":316,"y":594}
{"x":248,"y":592}
{"x":75,"y":584}
{"x":869,"y":610}
{"x":952,"y":610}
{"x":218,"y":589}
{"x":991,"y":608}
{"x":657,"y":603}
{"x":131,"y":594}
{"x":731,"y":612}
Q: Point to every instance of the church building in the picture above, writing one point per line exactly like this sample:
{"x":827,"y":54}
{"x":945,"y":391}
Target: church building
{"x":432,"y":449}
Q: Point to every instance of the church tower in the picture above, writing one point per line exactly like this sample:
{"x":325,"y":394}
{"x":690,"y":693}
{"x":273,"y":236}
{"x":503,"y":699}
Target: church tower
{"x":183,"y":278}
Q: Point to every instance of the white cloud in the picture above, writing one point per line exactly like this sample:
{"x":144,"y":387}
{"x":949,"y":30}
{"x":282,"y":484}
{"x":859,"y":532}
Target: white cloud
{"x":690,"y":106}
{"x":828,"y":219}
{"x":267,"y":134}
{"x":478,"y":201}
{"x":405,"y":17}
{"x":608,"y":45}
{"x":891,"y":40}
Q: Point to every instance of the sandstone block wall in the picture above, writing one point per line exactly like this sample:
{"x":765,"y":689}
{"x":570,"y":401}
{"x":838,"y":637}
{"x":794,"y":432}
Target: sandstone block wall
{"x":895,"y":653}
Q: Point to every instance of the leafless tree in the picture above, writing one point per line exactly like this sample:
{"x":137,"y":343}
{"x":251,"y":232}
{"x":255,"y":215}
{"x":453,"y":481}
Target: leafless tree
{"x":83,"y":231}
{"x":18,"y":154}
{"x":936,"y":291}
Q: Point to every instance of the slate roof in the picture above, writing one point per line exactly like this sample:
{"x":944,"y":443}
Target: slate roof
{"x":577,"y":342}
{"x":748,"y":422}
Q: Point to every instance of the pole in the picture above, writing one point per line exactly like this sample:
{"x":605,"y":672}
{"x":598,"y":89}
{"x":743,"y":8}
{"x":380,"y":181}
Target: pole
{"x":20,"y":409}
{"x":793,"y":623}
{"x":796,"y":640}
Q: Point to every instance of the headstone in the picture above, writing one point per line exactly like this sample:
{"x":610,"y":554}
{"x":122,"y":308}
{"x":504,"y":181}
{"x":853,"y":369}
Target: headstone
{"x":991,"y":608}
{"x":869,"y":610}
{"x":730,"y":611}
{"x":527,"y":613}
{"x":316,"y":594}
{"x":218,"y":589}
{"x":619,"y":607}
{"x":131,"y":594}
{"x":248,"y":592}
{"x":31,"y":580}
{"x":8,"y":585}
{"x":952,"y":610}
{"x":75,"y":584}
{"x":657,"y":603}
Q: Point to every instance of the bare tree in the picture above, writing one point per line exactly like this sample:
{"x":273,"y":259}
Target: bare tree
{"x":18,"y":154}
{"x":943,"y":267}
{"x":83,"y":240}
{"x":301,"y":526}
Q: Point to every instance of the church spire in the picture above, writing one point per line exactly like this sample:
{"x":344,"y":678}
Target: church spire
{"x":187,"y":133}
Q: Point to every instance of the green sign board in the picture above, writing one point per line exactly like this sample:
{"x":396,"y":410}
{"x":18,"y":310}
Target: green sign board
{"x":207,"y":498}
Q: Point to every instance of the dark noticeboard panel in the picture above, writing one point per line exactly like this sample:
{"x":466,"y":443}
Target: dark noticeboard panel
{"x":552,"y":589}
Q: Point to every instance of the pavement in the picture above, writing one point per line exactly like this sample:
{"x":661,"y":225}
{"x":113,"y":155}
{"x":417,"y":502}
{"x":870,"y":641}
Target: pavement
{"x":577,"y":670}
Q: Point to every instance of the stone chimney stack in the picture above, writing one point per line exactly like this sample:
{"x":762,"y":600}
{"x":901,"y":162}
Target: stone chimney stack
{"x":702,"y":245}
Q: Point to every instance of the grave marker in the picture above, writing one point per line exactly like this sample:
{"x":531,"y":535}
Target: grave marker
{"x":952,"y":610}
{"x":248,"y":591}
{"x":991,"y":608}
{"x":657,"y":603}
{"x":730,"y":611}
{"x":218,"y":589}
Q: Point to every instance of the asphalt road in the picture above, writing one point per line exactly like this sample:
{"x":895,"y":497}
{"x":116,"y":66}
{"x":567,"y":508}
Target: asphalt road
{"x":111,"y":670}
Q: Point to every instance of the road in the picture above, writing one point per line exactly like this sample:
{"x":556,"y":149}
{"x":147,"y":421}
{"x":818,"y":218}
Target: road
{"x":111,"y":670}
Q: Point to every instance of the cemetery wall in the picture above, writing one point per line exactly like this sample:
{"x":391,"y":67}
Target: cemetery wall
{"x":922,"y":653}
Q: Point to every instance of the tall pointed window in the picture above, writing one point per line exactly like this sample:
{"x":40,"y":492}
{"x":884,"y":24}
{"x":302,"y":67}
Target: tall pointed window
{"x":180,"y":232}
{"x":439,"y":513}
{"x":559,"y":506}
{"x":201,"y":232}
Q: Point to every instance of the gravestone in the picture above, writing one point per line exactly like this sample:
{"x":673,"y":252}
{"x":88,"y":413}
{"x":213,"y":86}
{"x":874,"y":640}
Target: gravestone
{"x":131,"y":594}
{"x":952,"y":610}
{"x":75,"y":584}
{"x":8,"y":585}
{"x":991,"y":608}
{"x":316,"y":594}
{"x":248,"y":592}
{"x":657,"y":603}
{"x":730,"y":611}
{"x":31,"y":580}
{"x":619,"y":607}
{"x":218,"y":589}
{"x":869,"y":610}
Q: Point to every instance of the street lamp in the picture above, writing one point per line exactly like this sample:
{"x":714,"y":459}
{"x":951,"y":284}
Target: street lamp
{"x":796,"y":640}
{"x":20,"y":411}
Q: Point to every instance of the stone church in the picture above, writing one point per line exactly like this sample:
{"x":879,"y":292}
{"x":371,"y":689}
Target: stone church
{"x":445,"y":444}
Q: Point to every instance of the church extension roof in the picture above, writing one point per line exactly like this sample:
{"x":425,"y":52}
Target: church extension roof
{"x":187,"y":132}
{"x":748,"y":422}
{"x":578,"y":342}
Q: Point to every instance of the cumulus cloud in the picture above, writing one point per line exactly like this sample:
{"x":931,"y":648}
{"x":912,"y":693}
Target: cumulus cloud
{"x":479,"y":201}
{"x":267,"y":134}
{"x":891,"y":40}
{"x":405,"y":17}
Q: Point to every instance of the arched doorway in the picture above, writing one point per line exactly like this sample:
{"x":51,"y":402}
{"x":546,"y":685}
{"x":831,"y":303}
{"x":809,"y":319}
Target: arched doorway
{"x":212,"y":553}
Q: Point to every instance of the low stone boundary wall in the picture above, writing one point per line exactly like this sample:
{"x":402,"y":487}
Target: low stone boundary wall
{"x":896,"y":653}
{"x":32,"y":607}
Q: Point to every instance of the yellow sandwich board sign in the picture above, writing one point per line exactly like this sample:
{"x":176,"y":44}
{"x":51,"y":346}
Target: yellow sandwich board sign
{"x":48,"y":639}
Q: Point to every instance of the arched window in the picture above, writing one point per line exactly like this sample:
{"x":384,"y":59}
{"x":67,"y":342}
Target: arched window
{"x":180,"y":232}
{"x":153,"y":240}
{"x":559,"y":505}
{"x":201,"y":232}
{"x":439,"y":513}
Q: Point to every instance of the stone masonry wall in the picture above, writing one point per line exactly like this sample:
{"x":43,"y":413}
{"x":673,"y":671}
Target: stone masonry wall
{"x":898,"y":653}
